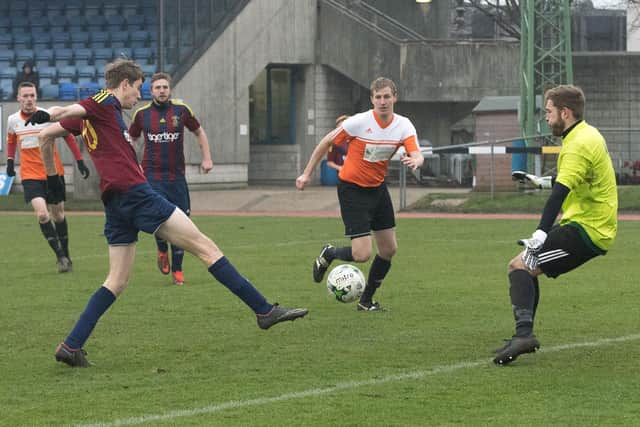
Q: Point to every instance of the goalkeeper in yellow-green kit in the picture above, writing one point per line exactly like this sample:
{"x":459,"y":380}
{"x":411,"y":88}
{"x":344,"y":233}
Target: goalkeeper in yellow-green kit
{"x":585,"y":190}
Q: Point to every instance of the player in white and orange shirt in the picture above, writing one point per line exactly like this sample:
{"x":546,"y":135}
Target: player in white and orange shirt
{"x":365,"y":205}
{"x":34,"y":177}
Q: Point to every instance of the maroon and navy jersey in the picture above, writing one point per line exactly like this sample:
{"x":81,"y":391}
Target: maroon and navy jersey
{"x":163,"y":129}
{"x":107,"y":139}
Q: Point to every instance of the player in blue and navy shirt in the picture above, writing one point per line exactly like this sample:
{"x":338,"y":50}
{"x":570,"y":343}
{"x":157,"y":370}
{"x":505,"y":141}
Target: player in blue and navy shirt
{"x":162,"y":124}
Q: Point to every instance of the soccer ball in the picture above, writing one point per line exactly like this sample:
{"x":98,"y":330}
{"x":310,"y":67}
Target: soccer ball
{"x":346,"y":282}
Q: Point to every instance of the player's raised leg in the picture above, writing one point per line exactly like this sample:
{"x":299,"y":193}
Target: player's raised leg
{"x":181,"y":231}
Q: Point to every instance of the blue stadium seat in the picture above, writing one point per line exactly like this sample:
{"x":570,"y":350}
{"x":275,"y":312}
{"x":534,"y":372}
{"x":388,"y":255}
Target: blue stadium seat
{"x":111,"y":8}
{"x":88,"y":89}
{"x":73,"y":8}
{"x":83,"y":56}
{"x":6,"y":88}
{"x":98,"y":39}
{"x":150,"y":19}
{"x":6,"y":41}
{"x":79,"y":39}
{"x":119,"y":38}
{"x":139,"y":38}
{"x":38,"y":22}
{"x":143,"y":55}
{"x":44,"y":55}
{"x":21,"y":41}
{"x":19,"y":21}
{"x":5,"y":64}
{"x":145,"y":90}
{"x":48,"y":72}
{"x":129,"y":9}
{"x":18,"y":7}
{"x":40,"y":40}
{"x":60,"y":39}
{"x":92,"y":8}
{"x":62,"y":56}
{"x":49,"y":91}
{"x":134,"y":22}
{"x":23,"y":55}
{"x":5,"y":24}
{"x":86,"y":71}
{"x":96,"y":23}
{"x":148,"y":70}
{"x":68,"y":91}
{"x":103,"y":53}
{"x":114,"y":23}
{"x":56,"y":23}
{"x":7,"y":55}
{"x":67,"y":74}
{"x":8,"y":73}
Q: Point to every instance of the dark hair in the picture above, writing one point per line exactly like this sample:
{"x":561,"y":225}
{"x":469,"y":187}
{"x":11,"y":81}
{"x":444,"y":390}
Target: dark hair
{"x":567,"y":96}
{"x":120,"y":70}
{"x":161,"y":76}
{"x":382,"y":82}
{"x":26,"y":84}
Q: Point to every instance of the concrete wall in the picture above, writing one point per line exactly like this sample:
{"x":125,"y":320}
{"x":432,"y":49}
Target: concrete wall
{"x":217,"y":87}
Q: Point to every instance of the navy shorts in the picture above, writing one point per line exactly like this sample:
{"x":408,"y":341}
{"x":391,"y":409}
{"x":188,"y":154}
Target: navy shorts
{"x":139,"y":209}
{"x":38,"y":188}
{"x":364,"y":209}
{"x":566,"y":247}
{"x":176,"y":192}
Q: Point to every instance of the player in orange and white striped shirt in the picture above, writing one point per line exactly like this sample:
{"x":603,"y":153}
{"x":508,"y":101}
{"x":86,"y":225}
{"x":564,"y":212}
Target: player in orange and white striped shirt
{"x":33,"y":175}
{"x":365,"y":205}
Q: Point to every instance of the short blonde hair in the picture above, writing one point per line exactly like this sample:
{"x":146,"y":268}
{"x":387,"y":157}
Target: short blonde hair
{"x":382,"y":82}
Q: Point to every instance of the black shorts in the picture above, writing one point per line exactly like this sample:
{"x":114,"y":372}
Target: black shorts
{"x":364,"y":209}
{"x":38,"y":188}
{"x":566,"y":247}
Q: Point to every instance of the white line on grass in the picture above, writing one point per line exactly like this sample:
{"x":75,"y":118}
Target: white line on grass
{"x":416,"y":375}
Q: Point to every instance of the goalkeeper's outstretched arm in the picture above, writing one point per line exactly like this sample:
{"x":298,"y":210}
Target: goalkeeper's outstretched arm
{"x":543,"y":182}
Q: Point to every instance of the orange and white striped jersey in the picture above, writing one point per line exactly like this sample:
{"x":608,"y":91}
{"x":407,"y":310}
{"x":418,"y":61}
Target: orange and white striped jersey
{"x":371,"y":146}
{"x":26,"y":137}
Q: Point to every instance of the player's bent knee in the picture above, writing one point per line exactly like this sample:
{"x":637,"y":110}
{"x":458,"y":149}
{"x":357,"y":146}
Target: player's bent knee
{"x":516,"y":264}
{"x":361,"y":256}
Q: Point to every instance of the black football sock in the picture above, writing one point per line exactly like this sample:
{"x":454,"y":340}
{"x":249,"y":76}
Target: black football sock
{"x":379,"y":269}
{"x":63,"y":235}
{"x":344,"y":253}
{"x":522,"y":292}
{"x":51,"y":236}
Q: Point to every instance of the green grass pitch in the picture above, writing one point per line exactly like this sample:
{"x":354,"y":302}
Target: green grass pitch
{"x":193,"y":355}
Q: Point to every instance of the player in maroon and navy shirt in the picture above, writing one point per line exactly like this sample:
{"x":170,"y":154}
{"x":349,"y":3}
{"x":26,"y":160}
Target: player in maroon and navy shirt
{"x":162,"y":123}
{"x":131,"y":205}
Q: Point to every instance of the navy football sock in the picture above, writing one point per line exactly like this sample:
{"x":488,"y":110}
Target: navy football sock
{"x":226,"y":273}
{"x":163,"y":246}
{"x":99,"y":302}
{"x":177,"y":254}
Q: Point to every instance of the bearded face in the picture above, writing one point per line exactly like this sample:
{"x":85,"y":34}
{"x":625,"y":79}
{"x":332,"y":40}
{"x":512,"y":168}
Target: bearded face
{"x":554,"y":117}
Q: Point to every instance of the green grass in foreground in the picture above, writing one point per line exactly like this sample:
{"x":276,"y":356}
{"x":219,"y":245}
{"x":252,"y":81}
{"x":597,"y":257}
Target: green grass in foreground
{"x":195,"y":355}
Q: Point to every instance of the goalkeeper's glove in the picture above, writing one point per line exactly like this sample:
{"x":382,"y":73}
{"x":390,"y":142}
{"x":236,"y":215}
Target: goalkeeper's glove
{"x":10,"y":170}
{"x":38,"y":117}
{"x":55,"y":189}
{"x":84,"y":170}
{"x":532,"y":248}
{"x":533,"y":180}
